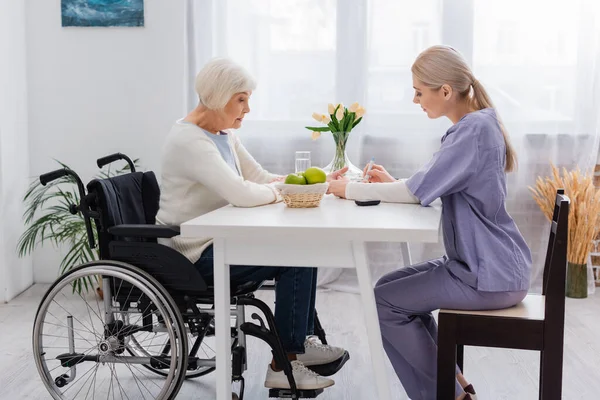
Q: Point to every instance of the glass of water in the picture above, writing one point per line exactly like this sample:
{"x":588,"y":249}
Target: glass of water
{"x":302,"y":161}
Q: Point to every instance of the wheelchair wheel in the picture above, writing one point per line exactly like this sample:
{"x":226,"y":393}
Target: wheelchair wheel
{"x":147,"y":344}
{"x":79,"y":341}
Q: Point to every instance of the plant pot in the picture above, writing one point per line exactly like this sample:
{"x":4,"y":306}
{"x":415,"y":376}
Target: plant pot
{"x":577,"y":281}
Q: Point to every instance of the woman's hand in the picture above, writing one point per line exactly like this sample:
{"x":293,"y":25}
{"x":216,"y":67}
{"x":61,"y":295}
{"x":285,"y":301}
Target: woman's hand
{"x":278,"y":179}
{"x":336,"y":174}
{"x":378,"y":174}
{"x":338,"y":187}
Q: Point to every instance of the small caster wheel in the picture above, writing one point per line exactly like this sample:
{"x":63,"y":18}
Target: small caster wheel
{"x":61,"y":381}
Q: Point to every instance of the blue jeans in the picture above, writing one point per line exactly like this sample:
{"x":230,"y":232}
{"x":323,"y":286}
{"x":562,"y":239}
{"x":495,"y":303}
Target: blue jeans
{"x":295,"y":292}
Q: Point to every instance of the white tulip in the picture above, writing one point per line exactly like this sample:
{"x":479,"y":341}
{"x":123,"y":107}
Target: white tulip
{"x":317,"y":116}
{"x":325,"y":119}
{"x":340,"y":113}
{"x":315,"y":135}
{"x":330,"y":108}
{"x":360,"y":112}
{"x":354,"y":107}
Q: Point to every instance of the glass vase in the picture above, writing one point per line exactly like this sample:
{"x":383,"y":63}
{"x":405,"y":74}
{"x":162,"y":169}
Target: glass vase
{"x":341,"y":160}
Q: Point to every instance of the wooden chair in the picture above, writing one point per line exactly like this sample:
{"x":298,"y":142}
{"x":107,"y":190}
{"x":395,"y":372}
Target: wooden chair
{"x":537,"y":323}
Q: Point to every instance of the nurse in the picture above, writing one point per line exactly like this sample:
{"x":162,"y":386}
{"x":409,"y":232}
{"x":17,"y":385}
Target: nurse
{"x":488,"y":263}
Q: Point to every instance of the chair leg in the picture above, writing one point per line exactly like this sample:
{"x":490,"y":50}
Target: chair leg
{"x":551,"y":366}
{"x":460,"y":357}
{"x":446,"y":357}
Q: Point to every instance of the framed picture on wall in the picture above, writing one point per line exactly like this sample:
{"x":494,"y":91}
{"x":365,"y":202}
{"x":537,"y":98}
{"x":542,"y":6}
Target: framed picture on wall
{"x":102,"y":12}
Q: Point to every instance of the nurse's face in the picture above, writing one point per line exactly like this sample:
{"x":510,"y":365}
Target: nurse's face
{"x":434,"y":102}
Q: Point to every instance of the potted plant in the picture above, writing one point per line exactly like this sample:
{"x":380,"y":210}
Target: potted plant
{"x":583,"y":220}
{"x":48,"y":219}
{"x":339,"y":121}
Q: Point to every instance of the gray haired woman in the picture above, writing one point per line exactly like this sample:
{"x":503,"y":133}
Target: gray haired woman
{"x":205,"y":167}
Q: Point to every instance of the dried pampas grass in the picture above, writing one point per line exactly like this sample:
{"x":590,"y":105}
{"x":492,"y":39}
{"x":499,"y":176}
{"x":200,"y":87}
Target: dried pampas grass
{"x":584,"y":221}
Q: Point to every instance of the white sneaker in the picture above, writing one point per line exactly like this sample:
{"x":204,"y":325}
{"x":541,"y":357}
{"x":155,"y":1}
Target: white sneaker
{"x":319,"y":354}
{"x":304,"y":377}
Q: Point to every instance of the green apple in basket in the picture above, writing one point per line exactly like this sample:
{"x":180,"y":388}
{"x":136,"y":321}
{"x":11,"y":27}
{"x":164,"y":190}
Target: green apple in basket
{"x":295,"y":179}
{"x":315,"y":175}
{"x":311,"y":176}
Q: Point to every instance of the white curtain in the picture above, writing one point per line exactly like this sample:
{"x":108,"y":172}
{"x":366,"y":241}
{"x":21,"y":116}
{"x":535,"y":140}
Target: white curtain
{"x":539,"y":59}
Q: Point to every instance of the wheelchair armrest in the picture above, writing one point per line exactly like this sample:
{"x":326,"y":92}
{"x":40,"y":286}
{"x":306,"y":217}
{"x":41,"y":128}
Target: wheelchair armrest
{"x":147,"y":230}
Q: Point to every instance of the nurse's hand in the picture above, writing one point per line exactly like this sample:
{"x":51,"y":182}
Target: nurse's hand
{"x":338,"y":187}
{"x":378,"y":174}
{"x":336,"y":174}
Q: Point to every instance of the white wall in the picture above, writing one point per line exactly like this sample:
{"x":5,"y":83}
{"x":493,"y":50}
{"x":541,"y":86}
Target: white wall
{"x":15,"y":274}
{"x":94,"y":91}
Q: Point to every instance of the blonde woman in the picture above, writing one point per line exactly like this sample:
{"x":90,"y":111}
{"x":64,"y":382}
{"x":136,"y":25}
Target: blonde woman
{"x":488,"y":263}
{"x":205,"y":167}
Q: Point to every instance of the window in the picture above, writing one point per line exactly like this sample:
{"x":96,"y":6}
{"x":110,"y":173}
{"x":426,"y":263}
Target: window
{"x":532,"y":71}
{"x":306,"y":53}
{"x":506,"y":42}
{"x":287,"y":45}
{"x":398,"y":31}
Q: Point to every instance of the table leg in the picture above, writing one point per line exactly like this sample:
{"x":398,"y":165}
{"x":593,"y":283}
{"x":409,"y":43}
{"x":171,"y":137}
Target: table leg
{"x":372,"y":322}
{"x":406,"y":254}
{"x":222,"y":321}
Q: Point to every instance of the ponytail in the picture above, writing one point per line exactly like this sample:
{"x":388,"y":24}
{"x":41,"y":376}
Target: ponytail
{"x":481,"y":100}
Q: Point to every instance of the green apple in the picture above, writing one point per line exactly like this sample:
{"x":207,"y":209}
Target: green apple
{"x":295,"y":179}
{"x":315,"y":175}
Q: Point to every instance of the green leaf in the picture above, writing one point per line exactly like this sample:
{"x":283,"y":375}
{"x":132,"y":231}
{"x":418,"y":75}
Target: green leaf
{"x":87,"y":289}
{"x":334,"y":120}
{"x":318,"y":128}
{"x":348,"y":122}
{"x":356,"y":122}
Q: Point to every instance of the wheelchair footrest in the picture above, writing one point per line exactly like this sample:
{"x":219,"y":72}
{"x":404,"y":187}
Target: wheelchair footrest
{"x":287,"y":393}
{"x":332,"y":367}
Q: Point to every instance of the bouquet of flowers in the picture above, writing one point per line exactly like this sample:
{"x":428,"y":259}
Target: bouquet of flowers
{"x":339,"y":121}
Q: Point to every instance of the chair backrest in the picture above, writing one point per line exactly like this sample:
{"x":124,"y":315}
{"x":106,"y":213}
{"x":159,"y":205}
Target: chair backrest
{"x":555,"y":267}
{"x":125,"y":199}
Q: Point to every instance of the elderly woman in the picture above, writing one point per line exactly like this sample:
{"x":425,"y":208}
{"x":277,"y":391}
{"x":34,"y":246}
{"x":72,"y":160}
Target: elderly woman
{"x":205,"y":167}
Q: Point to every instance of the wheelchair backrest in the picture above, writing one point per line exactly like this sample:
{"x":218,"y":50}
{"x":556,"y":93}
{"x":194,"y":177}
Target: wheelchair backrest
{"x":125,"y":199}
{"x":133,"y":199}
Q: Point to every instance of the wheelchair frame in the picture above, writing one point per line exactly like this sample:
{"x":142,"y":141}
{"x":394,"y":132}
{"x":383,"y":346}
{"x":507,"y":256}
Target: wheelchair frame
{"x":125,"y":251}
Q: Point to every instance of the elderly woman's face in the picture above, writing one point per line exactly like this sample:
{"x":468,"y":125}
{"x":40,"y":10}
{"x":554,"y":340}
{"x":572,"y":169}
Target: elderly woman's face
{"x":236,"y":109}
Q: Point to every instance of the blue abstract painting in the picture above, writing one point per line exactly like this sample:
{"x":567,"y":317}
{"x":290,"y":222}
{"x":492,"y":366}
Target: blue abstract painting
{"x":102,"y":12}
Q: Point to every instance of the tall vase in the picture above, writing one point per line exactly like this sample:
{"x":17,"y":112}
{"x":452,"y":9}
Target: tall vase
{"x":577,"y":281}
{"x":341,"y":160}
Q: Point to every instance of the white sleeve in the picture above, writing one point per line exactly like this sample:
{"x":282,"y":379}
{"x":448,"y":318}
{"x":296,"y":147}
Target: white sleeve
{"x":214,"y":173}
{"x":392,"y":192}
{"x":251,"y":169}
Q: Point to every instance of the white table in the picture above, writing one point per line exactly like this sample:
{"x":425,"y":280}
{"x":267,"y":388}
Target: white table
{"x":332,"y":235}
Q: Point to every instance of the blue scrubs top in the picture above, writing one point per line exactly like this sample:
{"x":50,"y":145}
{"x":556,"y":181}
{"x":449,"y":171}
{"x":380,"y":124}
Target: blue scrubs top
{"x":484,"y":246}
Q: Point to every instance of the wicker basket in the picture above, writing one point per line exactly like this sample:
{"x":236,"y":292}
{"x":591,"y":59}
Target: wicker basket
{"x":302,"y":196}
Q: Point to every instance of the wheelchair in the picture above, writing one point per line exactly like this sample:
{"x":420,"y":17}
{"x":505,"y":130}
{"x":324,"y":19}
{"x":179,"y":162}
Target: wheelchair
{"x":154,"y":326}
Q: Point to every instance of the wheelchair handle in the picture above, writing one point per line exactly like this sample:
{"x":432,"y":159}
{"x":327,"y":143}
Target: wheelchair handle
{"x":83,"y":206}
{"x":52,"y":176}
{"x":102,"y":161}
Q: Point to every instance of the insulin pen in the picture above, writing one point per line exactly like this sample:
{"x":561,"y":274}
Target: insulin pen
{"x":367,"y":176}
